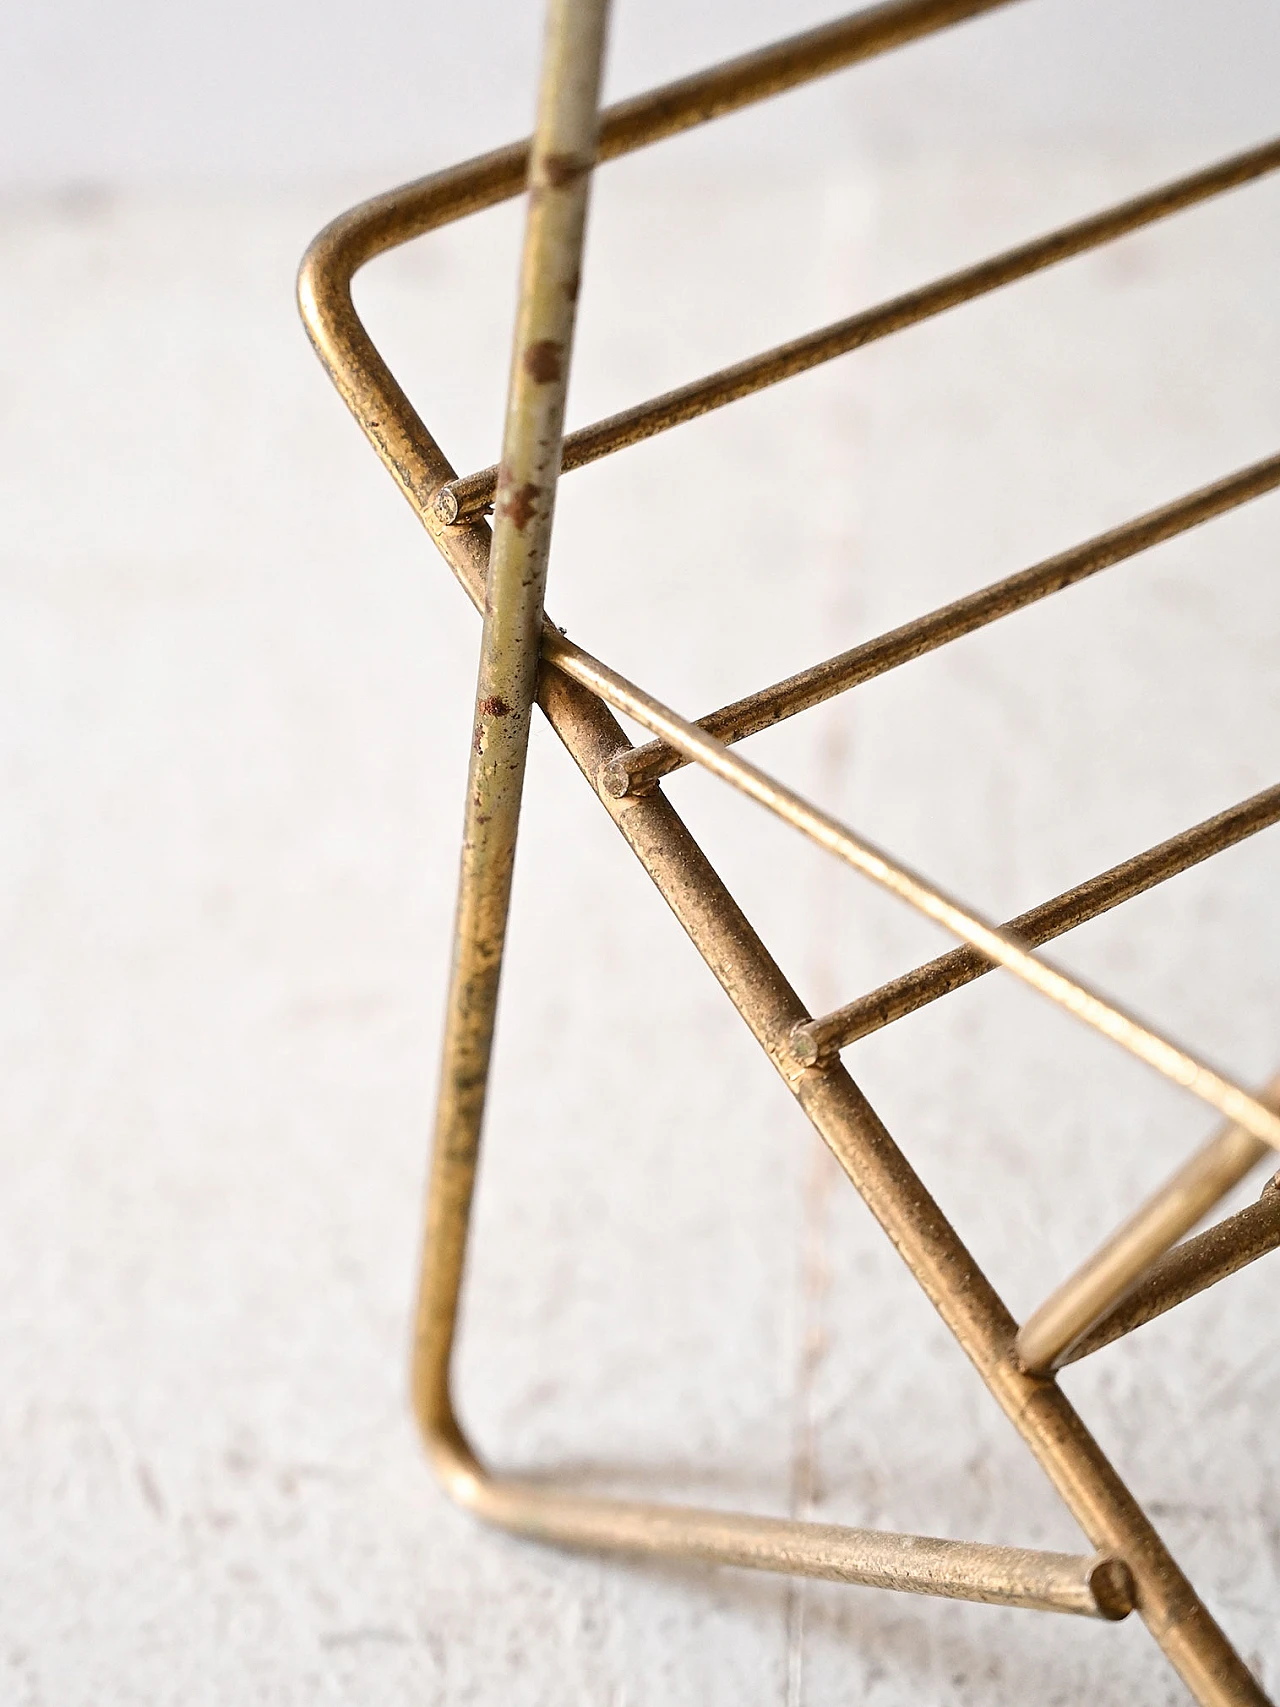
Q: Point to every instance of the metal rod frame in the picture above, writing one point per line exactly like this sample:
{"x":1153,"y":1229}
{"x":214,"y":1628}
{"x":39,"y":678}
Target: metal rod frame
{"x":524,"y":657}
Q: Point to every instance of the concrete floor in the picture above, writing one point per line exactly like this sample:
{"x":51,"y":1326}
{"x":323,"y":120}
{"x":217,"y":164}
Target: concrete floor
{"x":237,"y":691}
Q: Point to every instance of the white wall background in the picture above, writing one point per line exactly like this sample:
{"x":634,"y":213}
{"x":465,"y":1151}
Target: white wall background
{"x":145,"y":91}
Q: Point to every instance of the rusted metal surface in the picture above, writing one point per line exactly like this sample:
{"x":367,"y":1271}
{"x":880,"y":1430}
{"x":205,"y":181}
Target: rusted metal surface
{"x":1130,"y":1562}
{"x":559,"y":178}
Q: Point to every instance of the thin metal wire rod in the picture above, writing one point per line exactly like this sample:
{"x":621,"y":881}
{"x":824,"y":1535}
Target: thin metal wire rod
{"x":640,"y":767}
{"x":772,"y":70}
{"x":1097,"y":1587}
{"x":1089,"y":1295}
{"x":820,"y":1039}
{"x":411,"y":210}
{"x":559,"y":181}
{"x":1188,"y":1269}
{"x":464,"y":499}
{"x":1094,"y":1010}
{"x":946,"y":1271}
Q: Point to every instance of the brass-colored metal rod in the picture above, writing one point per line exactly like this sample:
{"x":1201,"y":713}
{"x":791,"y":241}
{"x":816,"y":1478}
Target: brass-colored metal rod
{"x":559,"y":180}
{"x":413,"y":209}
{"x":757,"y":76}
{"x":640,"y":767}
{"x":1107,"y":1278}
{"x":1097,"y":1587}
{"x":1178,"y":1620}
{"x":463,"y":499}
{"x":817,"y":1040}
{"x":935,"y":1254}
{"x":1190,"y":1268}
{"x":1093,"y":1010}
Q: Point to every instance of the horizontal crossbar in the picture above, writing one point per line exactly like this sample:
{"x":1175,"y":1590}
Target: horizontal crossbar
{"x":820,"y":1039}
{"x":464,"y":499}
{"x":638,"y":769}
{"x":1091,"y":1587}
{"x":990,"y":939}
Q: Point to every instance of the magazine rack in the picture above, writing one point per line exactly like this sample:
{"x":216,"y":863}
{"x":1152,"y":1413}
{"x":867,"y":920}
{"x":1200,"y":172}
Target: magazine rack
{"x":1149,"y":1265}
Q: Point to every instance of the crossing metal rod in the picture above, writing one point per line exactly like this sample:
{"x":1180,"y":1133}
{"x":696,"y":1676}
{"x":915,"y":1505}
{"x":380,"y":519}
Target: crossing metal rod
{"x":945,"y":1270}
{"x":411,"y":210}
{"x":931,"y":1248}
{"x":989,"y":939}
{"x":819,"y":1039}
{"x":1099,"y":1285}
{"x":561,"y":160}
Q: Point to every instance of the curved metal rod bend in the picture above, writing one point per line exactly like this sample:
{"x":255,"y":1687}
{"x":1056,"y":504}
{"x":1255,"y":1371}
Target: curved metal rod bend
{"x":1097,"y":1586}
{"x":412,"y":210}
{"x":945,"y":1270}
{"x":1088,"y":1484}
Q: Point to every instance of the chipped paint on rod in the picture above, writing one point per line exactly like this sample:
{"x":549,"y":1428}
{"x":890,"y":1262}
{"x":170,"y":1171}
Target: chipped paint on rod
{"x":559,"y":178}
{"x":1103,"y":1016}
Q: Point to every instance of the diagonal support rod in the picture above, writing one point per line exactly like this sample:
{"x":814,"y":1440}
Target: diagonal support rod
{"x":991,"y":940}
{"x":819,"y":1040}
{"x":562,"y":157}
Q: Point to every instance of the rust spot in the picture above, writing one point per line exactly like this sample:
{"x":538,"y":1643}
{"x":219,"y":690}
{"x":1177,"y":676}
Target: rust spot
{"x":494,"y":707}
{"x":542,"y":361}
{"x":477,"y":740}
{"x":562,"y":169}
{"x":519,"y":503}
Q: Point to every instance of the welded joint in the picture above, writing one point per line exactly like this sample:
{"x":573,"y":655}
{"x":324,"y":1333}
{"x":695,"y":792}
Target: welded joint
{"x":807,"y":1049}
{"x":445,"y":505}
{"x":1113,"y":1588}
{"x":615,"y":781}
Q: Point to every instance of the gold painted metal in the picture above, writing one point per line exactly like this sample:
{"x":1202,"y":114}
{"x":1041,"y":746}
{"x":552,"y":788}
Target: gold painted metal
{"x":522,"y":653}
{"x":559,"y":176}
